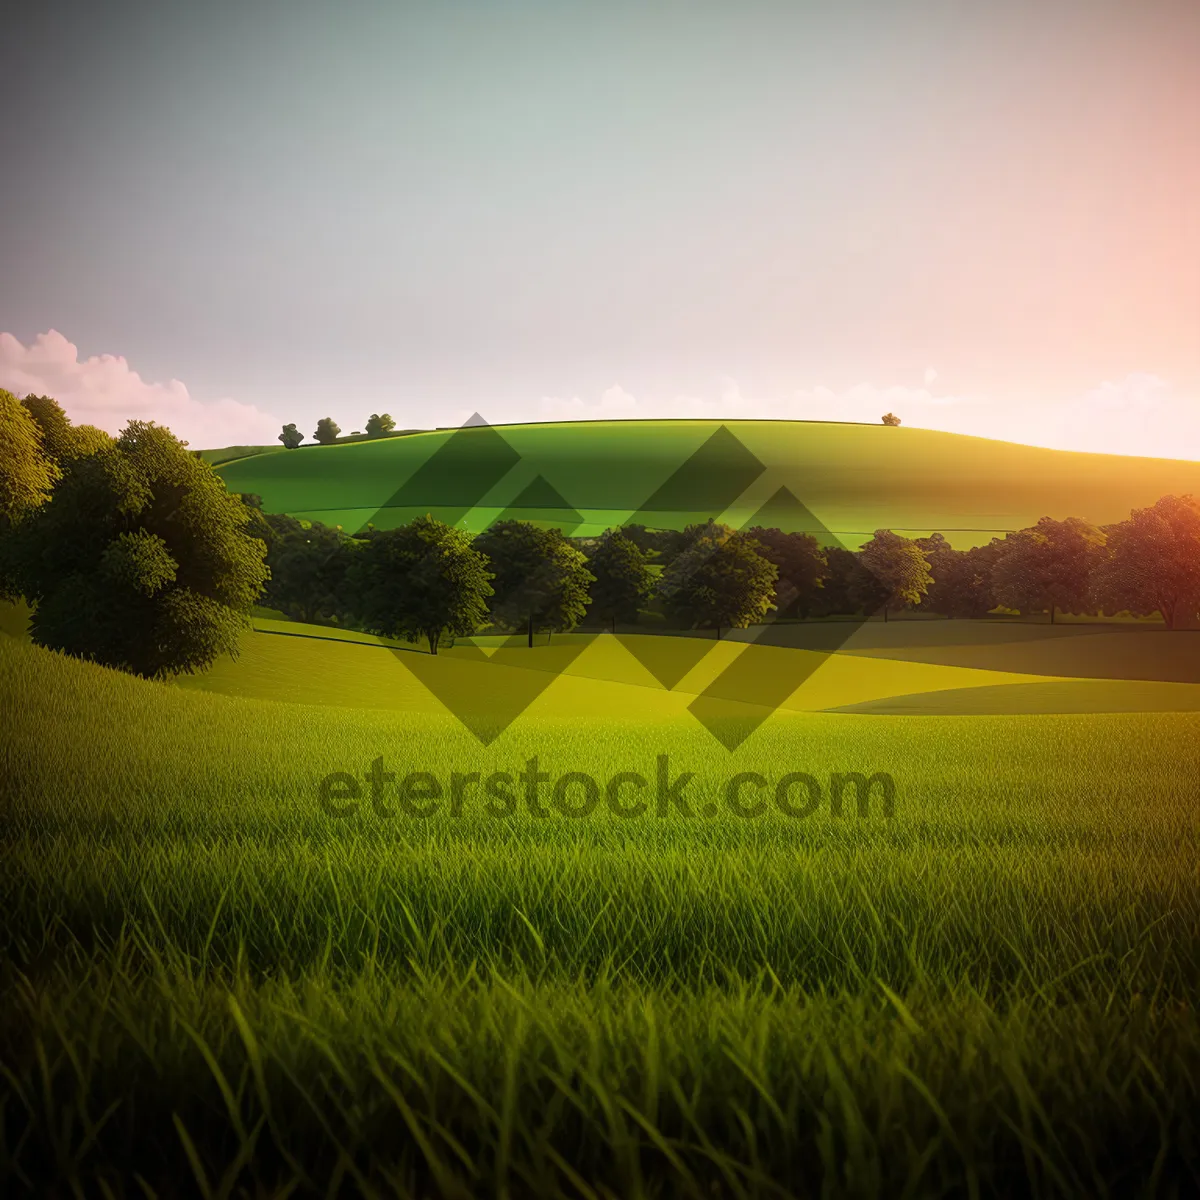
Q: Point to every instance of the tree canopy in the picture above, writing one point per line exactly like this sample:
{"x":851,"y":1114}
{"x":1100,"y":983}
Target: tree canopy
{"x":540,"y":580}
{"x":61,"y":440}
{"x":327,"y":431}
{"x":1047,"y":566}
{"x":720,"y":581}
{"x":962,"y":579}
{"x":310,"y":564}
{"x":1152,"y":563}
{"x":139,"y":560}
{"x":623,"y":580}
{"x":899,"y":569}
{"x":291,"y":437}
{"x":27,"y":472}
{"x":802,"y":565}
{"x":425,"y":579}
{"x":379,"y":423}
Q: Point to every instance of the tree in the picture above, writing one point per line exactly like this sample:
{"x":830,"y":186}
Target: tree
{"x":891,"y":419}
{"x":841,"y":588}
{"x":327,"y":431}
{"x":310,"y":565}
{"x":720,"y":581}
{"x":540,"y":580}
{"x":291,"y":437}
{"x":1152,"y":563}
{"x":1048,"y":566}
{"x":802,"y":566}
{"x":140,"y":559}
{"x":61,"y":440}
{"x":623,"y":580}
{"x":660,"y":545}
{"x":27,"y":473}
{"x":962,"y":579}
{"x":378,"y":424}
{"x":424,"y":579}
{"x":899,"y":569}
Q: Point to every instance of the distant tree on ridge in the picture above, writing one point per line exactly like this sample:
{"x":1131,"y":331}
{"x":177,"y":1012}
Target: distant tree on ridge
{"x":327,"y":431}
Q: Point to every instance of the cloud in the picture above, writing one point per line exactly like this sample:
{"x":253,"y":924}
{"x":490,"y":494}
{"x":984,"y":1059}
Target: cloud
{"x":104,"y":390}
{"x":1139,"y":414}
{"x":615,"y":403}
{"x":930,"y":375}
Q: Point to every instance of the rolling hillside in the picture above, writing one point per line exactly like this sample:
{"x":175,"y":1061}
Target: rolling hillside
{"x":585,"y":476}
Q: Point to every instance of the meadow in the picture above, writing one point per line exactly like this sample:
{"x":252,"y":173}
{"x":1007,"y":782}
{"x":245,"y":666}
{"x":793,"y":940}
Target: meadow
{"x":852,"y":479}
{"x":211,"y":980}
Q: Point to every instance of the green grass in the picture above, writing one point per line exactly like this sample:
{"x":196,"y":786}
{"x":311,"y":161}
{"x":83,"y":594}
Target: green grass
{"x":211,"y":982}
{"x":853,"y":478}
{"x":584,"y":676}
{"x":230,"y":454}
{"x":1057,"y":696}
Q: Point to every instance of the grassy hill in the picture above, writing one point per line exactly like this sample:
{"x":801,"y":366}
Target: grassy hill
{"x":586,"y":476}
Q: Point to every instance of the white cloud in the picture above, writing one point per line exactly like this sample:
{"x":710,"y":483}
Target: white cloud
{"x":1139,"y":414}
{"x":615,"y":403}
{"x":930,"y":375}
{"x":104,"y":390}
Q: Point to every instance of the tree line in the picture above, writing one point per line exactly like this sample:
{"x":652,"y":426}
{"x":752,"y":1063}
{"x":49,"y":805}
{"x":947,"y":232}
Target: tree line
{"x":428,"y":580}
{"x":130,"y":552}
{"x":328,"y":430}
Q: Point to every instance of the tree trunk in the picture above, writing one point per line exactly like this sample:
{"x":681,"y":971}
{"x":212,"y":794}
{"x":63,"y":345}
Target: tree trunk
{"x":885,"y":608}
{"x":614,"y":625}
{"x":531,"y":631}
{"x":718,"y":633}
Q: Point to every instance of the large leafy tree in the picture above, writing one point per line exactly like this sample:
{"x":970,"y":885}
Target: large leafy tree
{"x":802,"y":564}
{"x":140,"y":559}
{"x":61,"y":440}
{"x":327,"y":431}
{"x":291,"y":437}
{"x":379,"y":423}
{"x":1048,"y":566}
{"x":720,"y":581}
{"x":623,"y":582}
{"x":898,"y":569}
{"x":540,"y":580}
{"x":425,"y":580}
{"x":1152,"y":563}
{"x":27,"y":472}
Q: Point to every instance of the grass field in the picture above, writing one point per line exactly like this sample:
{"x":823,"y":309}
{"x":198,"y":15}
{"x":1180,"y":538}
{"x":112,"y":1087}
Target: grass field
{"x":853,"y":479}
{"x":209,"y":978}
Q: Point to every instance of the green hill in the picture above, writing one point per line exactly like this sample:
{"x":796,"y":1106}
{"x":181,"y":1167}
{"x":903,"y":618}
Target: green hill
{"x":586,"y":476}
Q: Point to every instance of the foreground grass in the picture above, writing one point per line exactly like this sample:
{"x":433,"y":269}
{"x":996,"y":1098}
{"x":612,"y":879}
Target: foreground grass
{"x":213,"y":983}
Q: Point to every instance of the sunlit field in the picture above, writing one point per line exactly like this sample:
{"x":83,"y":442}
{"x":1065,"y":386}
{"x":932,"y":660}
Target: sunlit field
{"x":987,"y":992}
{"x":853,"y":479}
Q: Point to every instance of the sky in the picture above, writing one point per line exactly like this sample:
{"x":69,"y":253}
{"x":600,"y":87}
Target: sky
{"x":980,"y":215}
